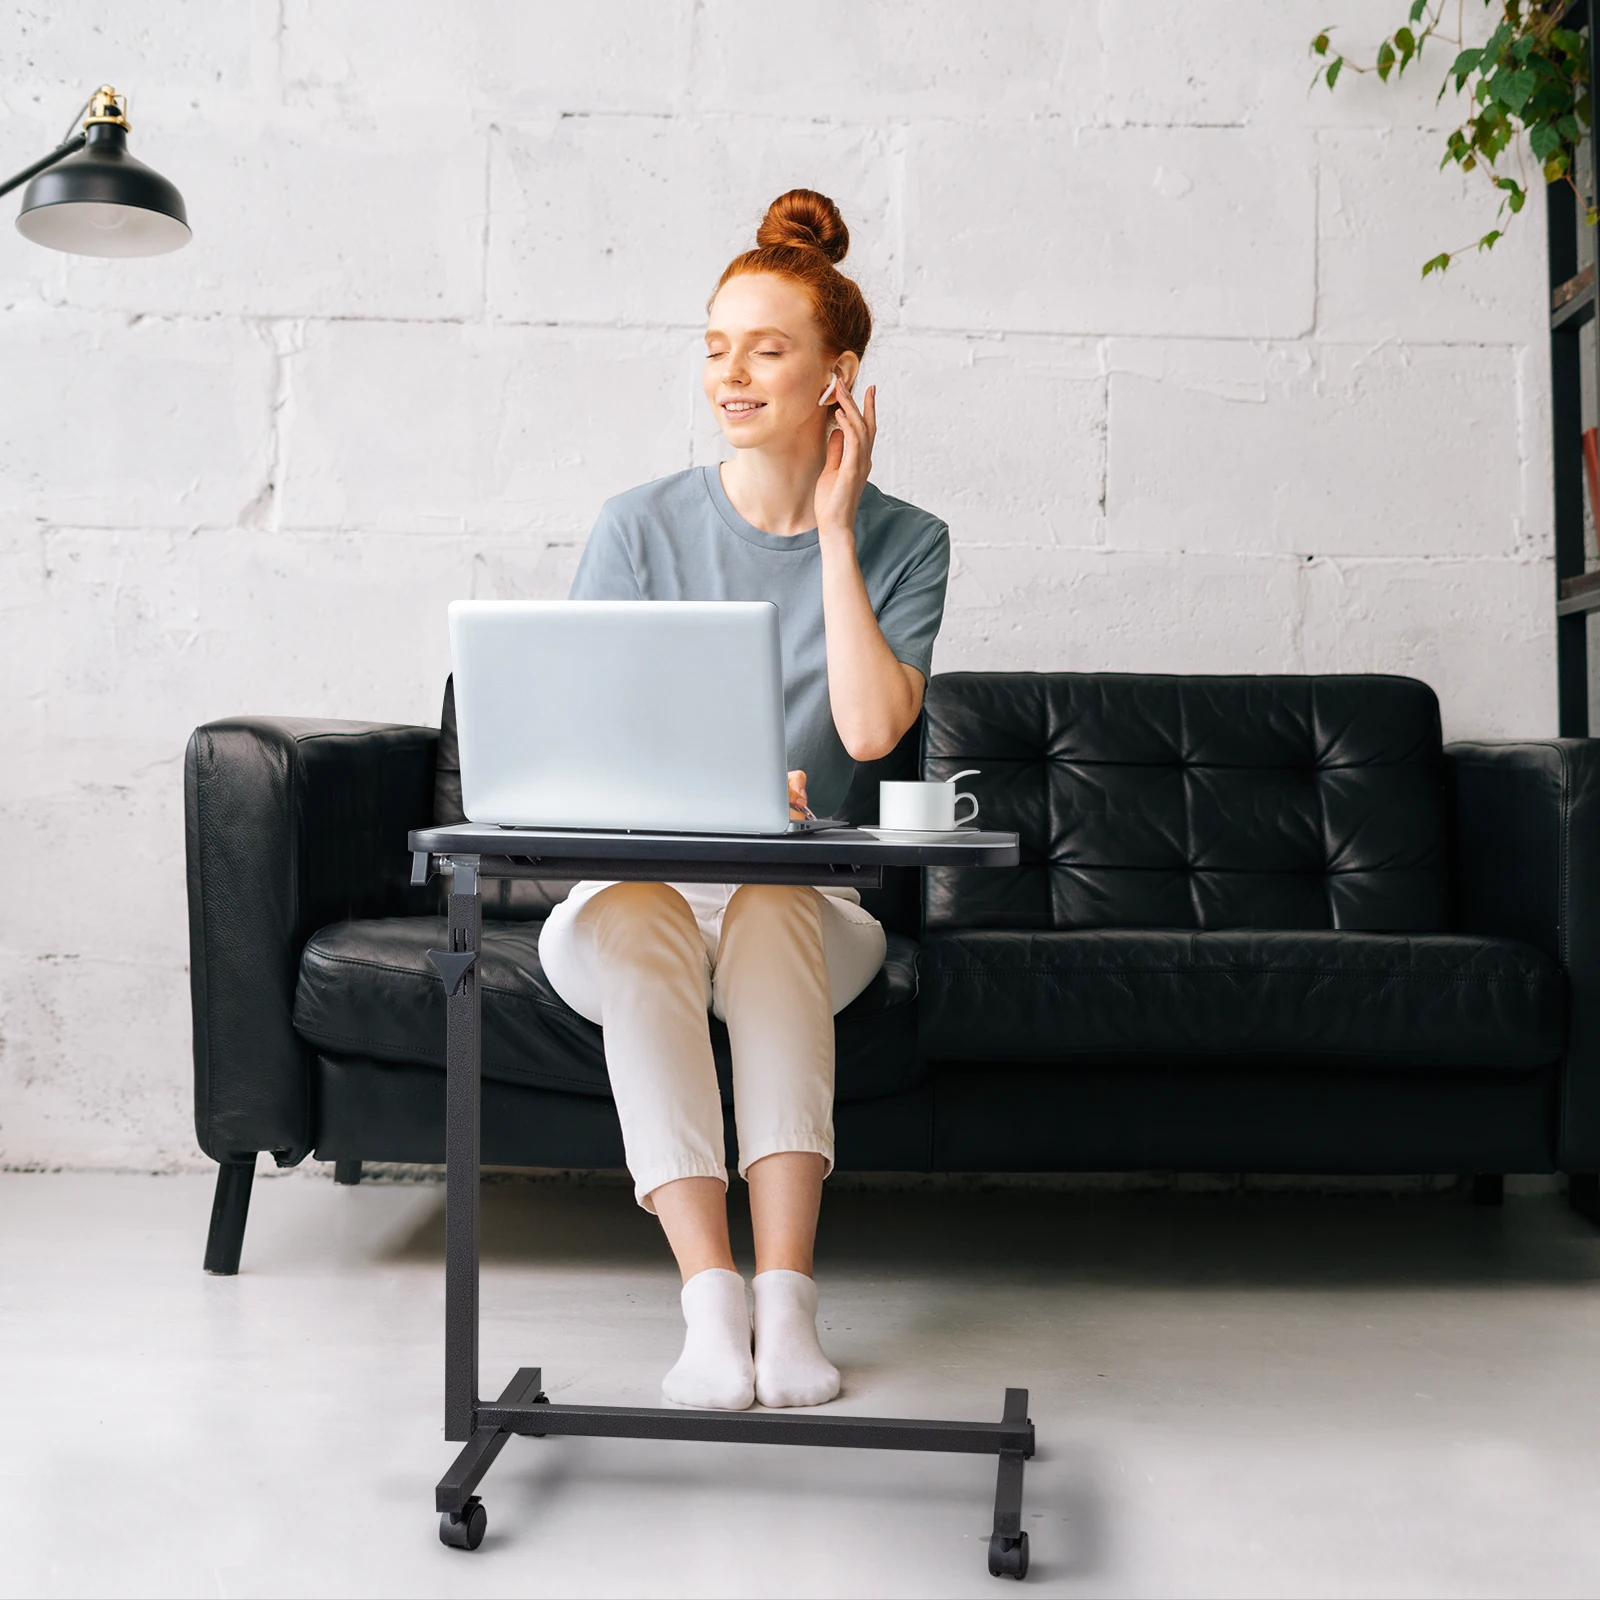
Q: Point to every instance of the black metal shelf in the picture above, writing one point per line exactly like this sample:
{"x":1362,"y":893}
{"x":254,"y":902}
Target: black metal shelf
{"x":1574,"y":297}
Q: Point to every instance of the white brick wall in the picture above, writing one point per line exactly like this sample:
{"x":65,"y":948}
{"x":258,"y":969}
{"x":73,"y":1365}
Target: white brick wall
{"x":1151,"y":337}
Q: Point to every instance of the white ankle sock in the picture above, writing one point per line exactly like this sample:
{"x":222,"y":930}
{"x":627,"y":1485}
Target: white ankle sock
{"x":791,"y":1369}
{"x":715,"y":1370}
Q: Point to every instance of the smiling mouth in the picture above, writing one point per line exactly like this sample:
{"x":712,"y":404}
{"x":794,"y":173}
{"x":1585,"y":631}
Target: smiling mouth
{"x":742,"y":408}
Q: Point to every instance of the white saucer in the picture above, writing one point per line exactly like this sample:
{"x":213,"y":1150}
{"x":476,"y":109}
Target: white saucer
{"x":920,"y":835}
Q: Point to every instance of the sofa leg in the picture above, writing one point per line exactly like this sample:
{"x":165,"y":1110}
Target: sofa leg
{"x":347,"y":1172}
{"x":230,"y":1207}
{"x":1488,"y":1188}
{"x":1583,"y":1194}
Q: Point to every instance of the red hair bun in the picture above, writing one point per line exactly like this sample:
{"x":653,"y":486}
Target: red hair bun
{"x":806,"y":219}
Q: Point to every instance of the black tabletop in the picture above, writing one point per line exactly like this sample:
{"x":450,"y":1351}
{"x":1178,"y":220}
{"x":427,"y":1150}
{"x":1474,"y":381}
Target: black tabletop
{"x":831,"y":847}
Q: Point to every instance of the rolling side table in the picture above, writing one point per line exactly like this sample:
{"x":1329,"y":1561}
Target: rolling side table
{"x":471,"y":852}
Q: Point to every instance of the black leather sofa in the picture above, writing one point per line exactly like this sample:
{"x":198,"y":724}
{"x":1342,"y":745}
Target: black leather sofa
{"x":1261,"y":924}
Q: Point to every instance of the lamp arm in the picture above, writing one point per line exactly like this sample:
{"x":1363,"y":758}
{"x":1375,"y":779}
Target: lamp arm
{"x":58,"y":154}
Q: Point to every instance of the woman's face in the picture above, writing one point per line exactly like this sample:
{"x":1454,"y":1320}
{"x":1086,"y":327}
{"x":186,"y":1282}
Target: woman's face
{"x":766,"y":366}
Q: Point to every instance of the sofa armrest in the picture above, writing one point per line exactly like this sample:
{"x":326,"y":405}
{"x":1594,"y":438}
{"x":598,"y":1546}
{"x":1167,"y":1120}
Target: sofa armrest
{"x":1527,"y":851}
{"x":290,"y":825}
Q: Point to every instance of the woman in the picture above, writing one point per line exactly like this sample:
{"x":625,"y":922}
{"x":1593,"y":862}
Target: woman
{"x":859,"y":581}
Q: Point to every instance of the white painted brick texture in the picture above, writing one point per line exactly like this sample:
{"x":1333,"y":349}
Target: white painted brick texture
{"x":1151,"y":337}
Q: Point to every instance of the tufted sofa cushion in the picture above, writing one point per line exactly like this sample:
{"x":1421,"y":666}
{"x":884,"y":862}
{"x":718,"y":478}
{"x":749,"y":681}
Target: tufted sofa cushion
{"x":1195,"y":802}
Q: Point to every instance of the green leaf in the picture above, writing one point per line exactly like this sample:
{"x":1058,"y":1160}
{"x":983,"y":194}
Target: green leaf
{"x":1386,"y":62}
{"x":1555,"y":169}
{"x":1590,"y":217}
{"x":1487,"y":242}
{"x":1568,"y":128}
{"x":1406,"y":40}
{"x":1523,"y":48}
{"x":1512,"y":89}
{"x":1319,"y":45}
{"x":1544,"y":141}
{"x":1417,"y":8}
{"x":1470,"y":164}
{"x":1466,"y":62}
{"x":1570,"y":44}
{"x":1332,"y":73}
{"x":1439,"y":264}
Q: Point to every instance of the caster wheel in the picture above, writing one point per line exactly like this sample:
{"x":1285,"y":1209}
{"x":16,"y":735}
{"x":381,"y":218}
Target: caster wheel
{"x":465,"y":1532}
{"x":1008,"y":1558}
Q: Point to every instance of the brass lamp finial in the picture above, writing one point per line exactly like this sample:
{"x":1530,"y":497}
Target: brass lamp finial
{"x":107,"y":106}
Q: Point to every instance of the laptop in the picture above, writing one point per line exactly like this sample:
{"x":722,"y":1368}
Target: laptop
{"x":638,"y":715}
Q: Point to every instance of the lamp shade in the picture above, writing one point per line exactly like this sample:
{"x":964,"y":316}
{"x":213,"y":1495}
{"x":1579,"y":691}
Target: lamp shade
{"x":103,"y":202}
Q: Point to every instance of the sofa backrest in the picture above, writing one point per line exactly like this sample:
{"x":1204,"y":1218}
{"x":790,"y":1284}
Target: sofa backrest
{"x":1195,"y":802}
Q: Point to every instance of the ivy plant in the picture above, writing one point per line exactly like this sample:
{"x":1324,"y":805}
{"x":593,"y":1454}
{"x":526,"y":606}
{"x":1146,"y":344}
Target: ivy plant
{"x":1530,"y":76}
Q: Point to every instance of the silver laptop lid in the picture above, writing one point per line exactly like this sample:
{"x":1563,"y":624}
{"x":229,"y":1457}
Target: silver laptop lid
{"x":648,"y":714}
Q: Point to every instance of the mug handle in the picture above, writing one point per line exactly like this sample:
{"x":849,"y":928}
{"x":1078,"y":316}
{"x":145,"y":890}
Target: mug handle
{"x":972,"y":815}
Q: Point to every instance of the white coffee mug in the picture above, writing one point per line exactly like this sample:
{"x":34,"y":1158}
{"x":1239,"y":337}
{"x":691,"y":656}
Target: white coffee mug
{"x":925,"y":807}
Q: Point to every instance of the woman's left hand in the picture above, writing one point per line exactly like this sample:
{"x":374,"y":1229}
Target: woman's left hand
{"x":849,"y":460}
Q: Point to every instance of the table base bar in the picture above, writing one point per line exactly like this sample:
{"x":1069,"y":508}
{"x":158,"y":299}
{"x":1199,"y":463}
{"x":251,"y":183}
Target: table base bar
{"x":467,"y":1470}
{"x":761,"y":1427}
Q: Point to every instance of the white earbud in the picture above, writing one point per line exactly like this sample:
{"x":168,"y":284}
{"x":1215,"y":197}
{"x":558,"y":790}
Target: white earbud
{"x":833,"y":383}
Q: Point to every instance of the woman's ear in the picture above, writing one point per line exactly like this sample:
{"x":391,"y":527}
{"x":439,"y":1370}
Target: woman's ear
{"x":848,"y":366}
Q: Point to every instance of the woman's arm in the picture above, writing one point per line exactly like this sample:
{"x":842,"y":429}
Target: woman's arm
{"x":874,"y":696}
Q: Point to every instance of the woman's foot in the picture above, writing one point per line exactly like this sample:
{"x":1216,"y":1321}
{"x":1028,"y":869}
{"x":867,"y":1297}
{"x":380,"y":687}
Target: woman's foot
{"x":791,"y":1369}
{"x":715,"y":1371}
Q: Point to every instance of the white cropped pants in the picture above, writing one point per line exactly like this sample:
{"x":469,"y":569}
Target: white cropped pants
{"x":648,"y":961}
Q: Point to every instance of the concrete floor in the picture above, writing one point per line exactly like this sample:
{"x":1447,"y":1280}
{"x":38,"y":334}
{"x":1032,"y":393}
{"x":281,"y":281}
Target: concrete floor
{"x":1262,"y":1394}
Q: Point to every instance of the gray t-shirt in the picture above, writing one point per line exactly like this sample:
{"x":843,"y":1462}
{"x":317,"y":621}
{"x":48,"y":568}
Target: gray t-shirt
{"x":679,"y":538}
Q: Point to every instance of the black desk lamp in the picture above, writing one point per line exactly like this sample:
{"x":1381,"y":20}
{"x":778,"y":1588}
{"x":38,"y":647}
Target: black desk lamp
{"x":89,"y":197}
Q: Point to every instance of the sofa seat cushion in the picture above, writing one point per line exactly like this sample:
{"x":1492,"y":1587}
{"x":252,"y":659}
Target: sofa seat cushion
{"x":1300,"y":997}
{"x":367,"y":988}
